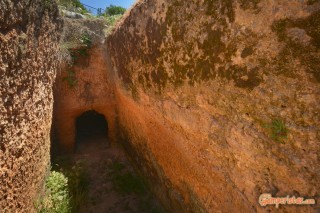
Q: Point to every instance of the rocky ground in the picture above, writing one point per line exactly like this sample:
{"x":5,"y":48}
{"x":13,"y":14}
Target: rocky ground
{"x":109,"y":181}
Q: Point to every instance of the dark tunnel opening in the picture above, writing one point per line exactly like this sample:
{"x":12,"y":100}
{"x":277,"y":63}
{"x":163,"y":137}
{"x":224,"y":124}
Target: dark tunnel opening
{"x":91,"y":126}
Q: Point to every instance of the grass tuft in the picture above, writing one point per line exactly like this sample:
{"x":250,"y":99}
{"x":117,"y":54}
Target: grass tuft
{"x":278,"y":130}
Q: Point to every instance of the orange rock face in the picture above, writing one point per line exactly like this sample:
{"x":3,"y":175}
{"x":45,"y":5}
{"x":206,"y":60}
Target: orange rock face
{"x":29,"y":38}
{"x":218,"y":101}
{"x":93,"y":90}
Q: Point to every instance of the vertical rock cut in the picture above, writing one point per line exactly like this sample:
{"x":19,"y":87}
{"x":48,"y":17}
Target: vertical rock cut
{"x":29,"y":38}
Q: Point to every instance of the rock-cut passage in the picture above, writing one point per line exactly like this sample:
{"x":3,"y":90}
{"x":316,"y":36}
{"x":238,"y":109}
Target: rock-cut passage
{"x":100,"y":177}
{"x":90,"y":126}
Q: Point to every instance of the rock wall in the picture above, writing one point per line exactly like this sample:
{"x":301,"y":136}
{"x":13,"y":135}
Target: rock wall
{"x":218,"y":101}
{"x":92,"y":90}
{"x":29,"y":37}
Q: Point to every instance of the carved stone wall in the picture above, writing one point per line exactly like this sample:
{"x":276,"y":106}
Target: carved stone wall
{"x":29,"y":38}
{"x":218,"y":101}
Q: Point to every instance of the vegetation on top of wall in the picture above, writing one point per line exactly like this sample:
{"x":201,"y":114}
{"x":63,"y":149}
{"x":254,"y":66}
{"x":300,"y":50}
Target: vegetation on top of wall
{"x":80,"y":35}
{"x":73,"y":5}
{"x":114,"y":10}
{"x":82,"y":49}
{"x":75,"y":46}
{"x":112,"y":15}
{"x":75,"y":51}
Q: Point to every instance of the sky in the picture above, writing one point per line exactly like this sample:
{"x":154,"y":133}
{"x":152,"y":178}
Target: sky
{"x":104,"y":3}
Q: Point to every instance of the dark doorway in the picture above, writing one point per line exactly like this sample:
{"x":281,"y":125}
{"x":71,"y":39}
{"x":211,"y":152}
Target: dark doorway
{"x":91,"y":126}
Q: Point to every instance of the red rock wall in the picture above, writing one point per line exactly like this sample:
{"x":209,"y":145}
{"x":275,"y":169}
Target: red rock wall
{"x":93,"y":91}
{"x":29,"y":38}
{"x":199,"y":87}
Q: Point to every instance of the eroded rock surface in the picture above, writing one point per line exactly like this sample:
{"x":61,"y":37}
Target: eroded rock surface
{"x":85,"y":86}
{"x":201,"y":88}
{"x":29,"y":37}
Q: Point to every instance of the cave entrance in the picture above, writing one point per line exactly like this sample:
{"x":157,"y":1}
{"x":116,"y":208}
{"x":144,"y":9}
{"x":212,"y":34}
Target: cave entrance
{"x":91,"y":126}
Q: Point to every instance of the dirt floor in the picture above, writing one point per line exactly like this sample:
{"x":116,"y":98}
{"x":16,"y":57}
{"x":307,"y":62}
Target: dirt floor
{"x":105,"y":181}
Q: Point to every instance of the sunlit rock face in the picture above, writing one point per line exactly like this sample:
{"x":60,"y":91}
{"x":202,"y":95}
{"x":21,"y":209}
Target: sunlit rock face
{"x":218,"y":101}
{"x":29,"y":37}
{"x":92,"y":90}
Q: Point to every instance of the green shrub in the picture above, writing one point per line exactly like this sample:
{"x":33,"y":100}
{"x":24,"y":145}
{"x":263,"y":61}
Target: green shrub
{"x":81,"y":49}
{"x":115,"y":10}
{"x":86,"y":40}
{"x":78,"y":182}
{"x":56,"y":199}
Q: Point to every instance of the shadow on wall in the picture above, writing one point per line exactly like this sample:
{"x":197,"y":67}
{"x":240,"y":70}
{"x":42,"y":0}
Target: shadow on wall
{"x":91,"y":126}
{"x":88,"y":126}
